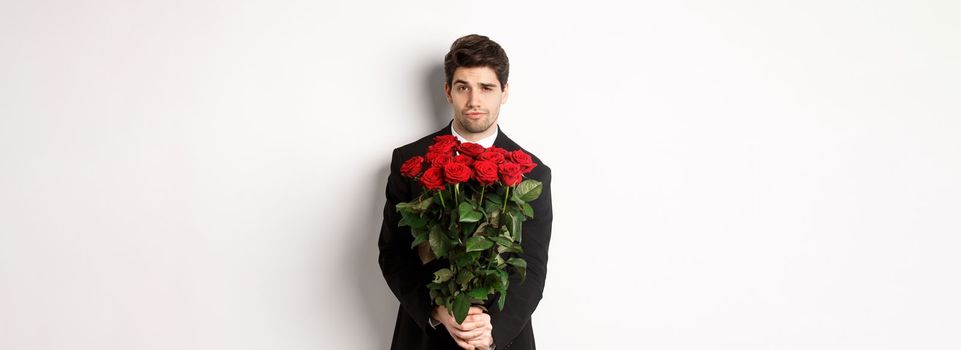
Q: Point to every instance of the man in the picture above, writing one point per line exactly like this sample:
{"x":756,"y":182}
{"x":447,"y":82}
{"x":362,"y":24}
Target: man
{"x":476,"y":71}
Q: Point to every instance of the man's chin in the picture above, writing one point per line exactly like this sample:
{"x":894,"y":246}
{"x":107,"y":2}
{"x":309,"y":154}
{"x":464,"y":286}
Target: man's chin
{"x":476,"y":126}
{"x":478,"y":129}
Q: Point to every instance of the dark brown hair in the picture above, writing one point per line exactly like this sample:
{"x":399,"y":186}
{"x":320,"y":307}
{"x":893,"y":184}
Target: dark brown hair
{"x":474,"y":50}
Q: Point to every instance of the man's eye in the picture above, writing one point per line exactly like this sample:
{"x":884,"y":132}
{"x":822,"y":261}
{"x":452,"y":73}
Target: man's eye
{"x":462,"y":88}
{"x":487,"y":89}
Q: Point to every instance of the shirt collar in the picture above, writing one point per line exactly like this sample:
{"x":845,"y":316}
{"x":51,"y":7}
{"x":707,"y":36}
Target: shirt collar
{"x":487,"y":142}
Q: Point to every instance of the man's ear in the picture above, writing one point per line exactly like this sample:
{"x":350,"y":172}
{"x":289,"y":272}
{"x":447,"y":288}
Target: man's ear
{"x":447,"y":93}
{"x":504,"y":93}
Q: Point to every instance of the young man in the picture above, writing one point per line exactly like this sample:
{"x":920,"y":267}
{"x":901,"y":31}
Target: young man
{"x":476,"y":70}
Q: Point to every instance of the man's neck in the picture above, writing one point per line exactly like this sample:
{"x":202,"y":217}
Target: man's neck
{"x":479,"y":138}
{"x":474,"y":137}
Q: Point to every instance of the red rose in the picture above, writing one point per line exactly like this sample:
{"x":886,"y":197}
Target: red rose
{"x":498,"y":150}
{"x":510,"y":173}
{"x":456,"y":173}
{"x":491,"y":156}
{"x":432,"y":179}
{"x":412,"y":166}
{"x":438,"y":158}
{"x":442,"y":148}
{"x":485,"y":172}
{"x":470,"y":149}
{"x":524,"y":160}
{"x":444,"y":144}
{"x":446,"y":139}
{"x":466,"y":160}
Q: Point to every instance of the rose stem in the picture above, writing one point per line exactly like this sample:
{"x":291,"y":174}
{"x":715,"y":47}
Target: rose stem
{"x":506,"y":194}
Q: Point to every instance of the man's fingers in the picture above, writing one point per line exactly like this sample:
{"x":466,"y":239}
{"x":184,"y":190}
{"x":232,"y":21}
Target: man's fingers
{"x":459,"y":327}
{"x":475,"y":310}
{"x":481,"y":342}
{"x":461,"y":342}
{"x":475,"y":322}
{"x":466,"y":326}
{"x":478,"y":333}
{"x":478,"y":318}
{"x":469,"y":334}
{"x":471,"y":326}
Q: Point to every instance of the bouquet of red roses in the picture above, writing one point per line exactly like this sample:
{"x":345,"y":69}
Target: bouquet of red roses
{"x":471,"y":212}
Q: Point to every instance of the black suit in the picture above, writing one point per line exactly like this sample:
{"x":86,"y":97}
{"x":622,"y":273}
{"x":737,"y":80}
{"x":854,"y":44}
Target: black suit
{"x":407,"y":276}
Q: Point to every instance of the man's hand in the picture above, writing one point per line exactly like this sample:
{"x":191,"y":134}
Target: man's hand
{"x":473,"y":334}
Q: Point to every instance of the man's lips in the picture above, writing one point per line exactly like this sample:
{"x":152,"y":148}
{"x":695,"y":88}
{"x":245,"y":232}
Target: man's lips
{"x":475,"y":115}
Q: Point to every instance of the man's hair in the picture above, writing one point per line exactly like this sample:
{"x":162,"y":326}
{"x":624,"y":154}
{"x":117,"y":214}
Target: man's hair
{"x":474,"y":50}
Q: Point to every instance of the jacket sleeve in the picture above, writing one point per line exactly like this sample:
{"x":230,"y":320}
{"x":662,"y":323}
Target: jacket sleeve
{"x":401,"y":267}
{"x":522,"y":298}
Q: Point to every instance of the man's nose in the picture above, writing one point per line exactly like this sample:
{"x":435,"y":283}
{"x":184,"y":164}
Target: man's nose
{"x":473,"y":98}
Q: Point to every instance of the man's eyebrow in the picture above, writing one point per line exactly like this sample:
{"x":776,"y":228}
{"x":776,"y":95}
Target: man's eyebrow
{"x":458,"y":81}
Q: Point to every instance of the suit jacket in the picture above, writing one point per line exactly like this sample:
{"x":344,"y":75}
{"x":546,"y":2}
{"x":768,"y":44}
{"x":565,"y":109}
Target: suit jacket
{"x":407,"y":276}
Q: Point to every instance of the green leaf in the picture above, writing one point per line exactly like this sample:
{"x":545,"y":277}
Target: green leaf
{"x":467,"y":213}
{"x":514,"y":225}
{"x":461,"y":307}
{"x":491,"y":207}
{"x":415,"y":221}
{"x":528,"y":190}
{"x":489,"y":280}
{"x":465,"y":259}
{"x":494,"y":198}
{"x":403,"y":217}
{"x":464,"y":277}
{"x":479,"y":293}
{"x":516,"y":201}
{"x":512,"y":249}
{"x":478,"y":243}
{"x":480,"y":228}
{"x":442,"y":275}
{"x":422,"y":205}
{"x":520,"y":265}
{"x":494,"y":282}
{"x":419,"y":238}
{"x":503,"y":276}
{"x":527,"y":210}
{"x":502,"y":241}
{"x":501,"y":300}
{"x":438,"y":241}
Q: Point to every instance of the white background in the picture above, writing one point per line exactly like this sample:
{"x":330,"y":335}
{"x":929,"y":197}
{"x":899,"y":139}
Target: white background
{"x":727,"y":175}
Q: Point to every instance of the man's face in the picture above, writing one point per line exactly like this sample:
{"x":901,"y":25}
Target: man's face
{"x":475,"y":93}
